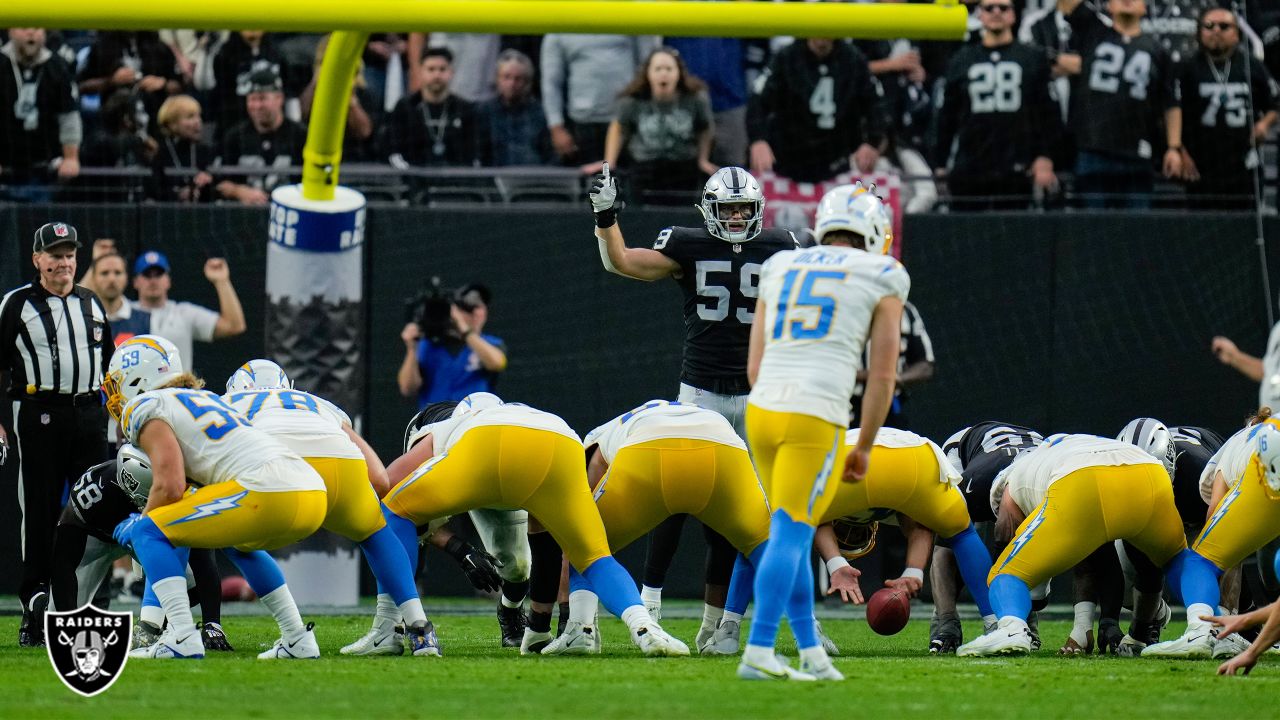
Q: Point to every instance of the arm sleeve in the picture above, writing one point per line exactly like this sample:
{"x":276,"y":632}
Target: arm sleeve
{"x":553,"y":77}
{"x":69,"y":542}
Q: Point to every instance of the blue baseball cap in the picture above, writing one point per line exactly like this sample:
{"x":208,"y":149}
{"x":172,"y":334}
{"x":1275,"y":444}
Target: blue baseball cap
{"x":150,"y":259}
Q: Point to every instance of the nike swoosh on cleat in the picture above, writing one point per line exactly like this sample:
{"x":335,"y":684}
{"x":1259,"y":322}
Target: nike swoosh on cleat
{"x":780,"y":675}
{"x":378,"y":643}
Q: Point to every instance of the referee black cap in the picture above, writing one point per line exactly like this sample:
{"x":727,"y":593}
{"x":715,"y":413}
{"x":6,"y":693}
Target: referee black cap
{"x":53,"y":234}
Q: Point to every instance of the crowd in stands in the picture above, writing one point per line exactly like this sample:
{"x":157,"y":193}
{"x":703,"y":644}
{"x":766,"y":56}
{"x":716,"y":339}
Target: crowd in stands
{"x":1109,"y":99}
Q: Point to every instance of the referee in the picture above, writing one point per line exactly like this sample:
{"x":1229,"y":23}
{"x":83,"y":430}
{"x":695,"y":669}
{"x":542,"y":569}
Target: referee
{"x":55,"y":342}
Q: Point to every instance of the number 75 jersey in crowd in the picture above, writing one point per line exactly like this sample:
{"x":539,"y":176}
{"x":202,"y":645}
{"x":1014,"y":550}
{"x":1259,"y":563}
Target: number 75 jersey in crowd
{"x":218,"y":444}
{"x":818,"y":308}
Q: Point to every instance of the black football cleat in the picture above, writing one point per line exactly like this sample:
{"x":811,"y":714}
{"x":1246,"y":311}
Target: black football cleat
{"x":512,"y":621}
{"x":31,"y":632}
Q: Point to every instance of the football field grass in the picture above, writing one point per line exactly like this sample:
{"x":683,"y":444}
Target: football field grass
{"x":889,"y":677}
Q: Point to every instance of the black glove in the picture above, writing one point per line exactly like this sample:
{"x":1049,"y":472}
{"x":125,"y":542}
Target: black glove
{"x":604,"y":198}
{"x":1109,"y":636}
{"x":480,"y":567}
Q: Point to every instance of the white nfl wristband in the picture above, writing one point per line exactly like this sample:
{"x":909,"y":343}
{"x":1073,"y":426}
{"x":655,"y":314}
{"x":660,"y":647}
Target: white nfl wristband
{"x":835,"y":564}
{"x":916,"y":573}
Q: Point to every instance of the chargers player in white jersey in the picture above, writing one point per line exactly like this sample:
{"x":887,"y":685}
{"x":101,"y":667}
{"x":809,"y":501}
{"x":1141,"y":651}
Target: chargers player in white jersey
{"x":252,"y":493}
{"x":818,"y":310}
{"x":322,"y":435}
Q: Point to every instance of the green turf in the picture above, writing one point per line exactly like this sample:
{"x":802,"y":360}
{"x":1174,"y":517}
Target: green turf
{"x":886,"y":677}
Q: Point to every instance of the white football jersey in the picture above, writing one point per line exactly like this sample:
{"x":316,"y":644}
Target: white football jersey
{"x":447,"y":433}
{"x":895,"y":438}
{"x":818,"y":308}
{"x":661,"y":420}
{"x":1035,"y":470}
{"x":306,"y":424}
{"x":218,"y":444}
{"x":1232,"y":459}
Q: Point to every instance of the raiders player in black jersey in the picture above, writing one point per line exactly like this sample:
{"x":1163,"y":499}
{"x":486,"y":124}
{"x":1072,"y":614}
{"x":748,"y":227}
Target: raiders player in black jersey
{"x":717,"y":267}
{"x":997,"y":127}
{"x":980,"y":452}
{"x":1127,"y":82}
{"x":83,"y":549}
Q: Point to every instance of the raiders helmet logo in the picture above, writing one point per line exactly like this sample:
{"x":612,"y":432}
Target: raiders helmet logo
{"x":60,"y":230}
{"x":88,"y":647}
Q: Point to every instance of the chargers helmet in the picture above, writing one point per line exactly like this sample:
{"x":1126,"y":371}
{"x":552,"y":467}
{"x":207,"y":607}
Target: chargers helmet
{"x":133,"y":473}
{"x":731,"y":186}
{"x":258,"y":374}
{"x":1154,"y":437}
{"x":1268,"y":442}
{"x":141,"y":363}
{"x":855,"y":208}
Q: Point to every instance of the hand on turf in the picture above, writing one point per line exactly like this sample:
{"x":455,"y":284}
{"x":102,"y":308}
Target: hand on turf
{"x":845,"y":582}
{"x":1109,"y":637}
{"x":482,"y":570}
{"x":908,"y":584}
{"x":1242,"y":662}
{"x":123,"y":533}
{"x":1228,"y":623}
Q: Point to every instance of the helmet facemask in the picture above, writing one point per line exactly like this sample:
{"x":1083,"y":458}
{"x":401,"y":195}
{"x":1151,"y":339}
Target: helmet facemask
{"x":732,"y":189}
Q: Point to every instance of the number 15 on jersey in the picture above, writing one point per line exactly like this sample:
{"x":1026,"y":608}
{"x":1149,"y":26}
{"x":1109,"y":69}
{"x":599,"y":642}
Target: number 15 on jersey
{"x":807,"y":315}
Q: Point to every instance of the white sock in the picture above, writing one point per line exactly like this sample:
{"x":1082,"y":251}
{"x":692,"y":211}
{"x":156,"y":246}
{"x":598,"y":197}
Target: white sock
{"x":711,"y":616}
{"x":635,"y":617}
{"x":172,"y":594}
{"x":152,"y":614}
{"x":650,"y":594}
{"x":412,"y":611}
{"x":989,"y":620}
{"x":1083,"y":623}
{"x":509,"y":603}
{"x":1012,"y":621}
{"x":731,"y":617}
{"x":583,"y":607}
{"x":759,"y":655}
{"x":1194,"y":611}
{"x":816,"y":656}
{"x":387,"y":613}
{"x":285,"y":611}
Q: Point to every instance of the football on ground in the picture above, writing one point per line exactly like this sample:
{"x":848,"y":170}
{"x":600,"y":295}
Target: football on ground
{"x":888,"y":611}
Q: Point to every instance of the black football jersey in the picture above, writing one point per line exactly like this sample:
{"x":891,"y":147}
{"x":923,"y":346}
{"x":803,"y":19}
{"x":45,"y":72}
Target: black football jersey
{"x":1194,"y":446}
{"x":995,"y":114}
{"x":1125,"y":85}
{"x":720,"y":281}
{"x":980,"y":452}
{"x":1220,"y":104}
{"x":97,"y":503}
{"x":246,"y":147}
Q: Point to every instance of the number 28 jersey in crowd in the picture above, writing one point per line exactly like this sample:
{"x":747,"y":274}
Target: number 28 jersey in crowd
{"x":719,"y":281}
{"x":218,"y":444}
{"x":819,"y":303}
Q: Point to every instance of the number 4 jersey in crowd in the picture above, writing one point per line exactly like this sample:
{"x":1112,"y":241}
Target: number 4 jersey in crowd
{"x":719,"y":281}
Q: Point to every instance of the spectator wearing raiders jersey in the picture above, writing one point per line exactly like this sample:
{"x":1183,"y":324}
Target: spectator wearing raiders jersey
{"x":1230,"y":103}
{"x":1127,"y":87}
{"x":266,"y":140}
{"x":915,"y":367}
{"x":133,"y":61}
{"x":997,"y":125}
{"x":39,"y":115}
{"x":717,"y":267}
{"x":55,"y":342}
{"x":234,"y":63}
{"x":816,"y":112}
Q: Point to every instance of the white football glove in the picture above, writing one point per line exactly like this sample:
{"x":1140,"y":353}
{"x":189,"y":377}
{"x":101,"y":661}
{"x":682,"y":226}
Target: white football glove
{"x":604,"y":198}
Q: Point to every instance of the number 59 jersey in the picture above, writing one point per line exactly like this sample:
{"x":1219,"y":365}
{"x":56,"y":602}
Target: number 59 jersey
{"x":218,"y":444}
{"x":818,"y":308}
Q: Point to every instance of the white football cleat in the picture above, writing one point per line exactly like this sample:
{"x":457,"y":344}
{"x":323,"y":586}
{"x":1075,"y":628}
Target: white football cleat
{"x":170,"y":647}
{"x":825,"y":672}
{"x":1194,"y":643}
{"x":653,"y":641}
{"x":303,"y":647}
{"x":776,"y":668}
{"x":1130,"y":646}
{"x":726,"y":640}
{"x":577,"y":639}
{"x":1011,"y":639}
{"x":705,"y":635}
{"x":827,"y":644}
{"x":534,"y":642}
{"x":381,"y":640}
{"x":1229,"y":646}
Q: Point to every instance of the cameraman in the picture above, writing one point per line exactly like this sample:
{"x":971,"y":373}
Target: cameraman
{"x":449,"y":358}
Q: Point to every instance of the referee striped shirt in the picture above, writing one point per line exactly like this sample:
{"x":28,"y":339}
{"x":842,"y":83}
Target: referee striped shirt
{"x":51,"y":344}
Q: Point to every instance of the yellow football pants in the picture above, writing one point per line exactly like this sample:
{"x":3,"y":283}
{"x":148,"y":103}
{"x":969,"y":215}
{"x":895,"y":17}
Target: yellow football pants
{"x":506,"y":466}
{"x":354,"y":510}
{"x":229,"y":515}
{"x":1246,"y":518}
{"x":904,"y":480}
{"x":649,"y":482}
{"x":1087,"y":508}
{"x":800,"y":459}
